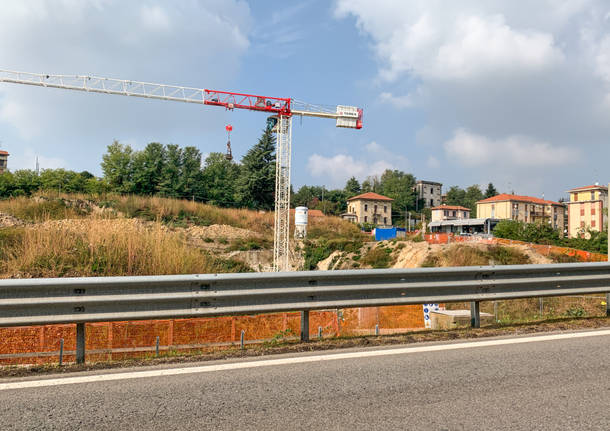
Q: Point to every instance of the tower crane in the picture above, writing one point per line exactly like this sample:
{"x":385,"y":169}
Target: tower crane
{"x":282,"y":109}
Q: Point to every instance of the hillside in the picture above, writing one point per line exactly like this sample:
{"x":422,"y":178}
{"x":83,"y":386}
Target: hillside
{"x":53,"y":235}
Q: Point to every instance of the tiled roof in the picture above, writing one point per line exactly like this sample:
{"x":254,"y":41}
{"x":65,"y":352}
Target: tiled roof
{"x":372,"y":197}
{"x":450,"y":207}
{"x":4,"y":153}
{"x":508,"y":197}
{"x":593,"y":187}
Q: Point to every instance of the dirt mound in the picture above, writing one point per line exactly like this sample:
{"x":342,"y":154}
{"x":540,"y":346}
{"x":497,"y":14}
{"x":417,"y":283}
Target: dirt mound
{"x":216,"y":231}
{"x":412,"y":255}
{"x":7,"y":220}
{"x":108,"y":225}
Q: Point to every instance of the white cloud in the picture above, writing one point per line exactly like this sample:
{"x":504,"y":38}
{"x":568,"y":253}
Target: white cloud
{"x":445,"y":41}
{"x":405,"y":101}
{"x":472,"y":150}
{"x":155,"y":18}
{"x":336,"y":170}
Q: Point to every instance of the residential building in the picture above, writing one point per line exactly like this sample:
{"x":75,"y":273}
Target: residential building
{"x":450,"y":212}
{"x":527,"y":209}
{"x":369,"y":208}
{"x":3,"y":161}
{"x":587,"y":209}
{"x":429,"y":192}
{"x":460,"y":226}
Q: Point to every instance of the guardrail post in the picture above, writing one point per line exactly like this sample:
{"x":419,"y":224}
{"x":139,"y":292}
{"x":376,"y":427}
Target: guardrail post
{"x":157,"y":347}
{"x":608,"y":304}
{"x":475,"y":314}
{"x":61,"y":352}
{"x":305,"y":325}
{"x":80,"y":343}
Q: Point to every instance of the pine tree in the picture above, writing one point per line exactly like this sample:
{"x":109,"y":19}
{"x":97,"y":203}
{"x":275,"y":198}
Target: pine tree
{"x":491,"y":191}
{"x":352,"y":187}
{"x":256,"y":183}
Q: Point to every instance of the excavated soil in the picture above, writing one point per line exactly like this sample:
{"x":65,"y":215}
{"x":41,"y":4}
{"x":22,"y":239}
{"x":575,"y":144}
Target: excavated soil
{"x":7,"y":220}
{"x":217,"y":231}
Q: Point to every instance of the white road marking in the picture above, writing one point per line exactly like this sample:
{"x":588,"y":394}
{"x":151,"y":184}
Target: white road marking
{"x":293,"y":360}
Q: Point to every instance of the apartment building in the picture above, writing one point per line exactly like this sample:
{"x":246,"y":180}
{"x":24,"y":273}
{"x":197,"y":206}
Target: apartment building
{"x":430,"y":192}
{"x":3,"y":161}
{"x":587,"y":209}
{"x":449,"y":212}
{"x":369,"y":208}
{"x":527,"y":209}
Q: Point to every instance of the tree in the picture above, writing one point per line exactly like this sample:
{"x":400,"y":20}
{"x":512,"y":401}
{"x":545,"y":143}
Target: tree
{"x":256,"y":183}
{"x":471,"y":197}
{"x":491,"y":191}
{"x":147,"y":169}
{"x":170,"y":184}
{"x":116,"y":166}
{"x":371,"y":184}
{"x":191,"y":176}
{"x":25,"y":182}
{"x":352,"y":187}
{"x":456,"y":196}
{"x":399,"y":186}
{"x":219,"y":180}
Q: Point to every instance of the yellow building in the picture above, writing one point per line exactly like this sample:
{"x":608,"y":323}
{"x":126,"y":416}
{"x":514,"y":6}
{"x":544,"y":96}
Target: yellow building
{"x":369,"y":208}
{"x":450,"y":212}
{"x":527,"y":209}
{"x":587,"y":209}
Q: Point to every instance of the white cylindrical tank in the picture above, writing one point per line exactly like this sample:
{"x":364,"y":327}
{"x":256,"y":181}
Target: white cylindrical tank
{"x":300,"y":222}
{"x":300,"y":216}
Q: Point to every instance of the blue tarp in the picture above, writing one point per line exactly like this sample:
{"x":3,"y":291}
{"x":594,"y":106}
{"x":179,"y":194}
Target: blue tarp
{"x":383,"y":234}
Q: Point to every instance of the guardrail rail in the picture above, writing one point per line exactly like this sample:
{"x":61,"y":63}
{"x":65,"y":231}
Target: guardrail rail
{"x":25,"y":302}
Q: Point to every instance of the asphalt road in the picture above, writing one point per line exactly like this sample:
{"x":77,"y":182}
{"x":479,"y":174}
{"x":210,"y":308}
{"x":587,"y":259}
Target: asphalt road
{"x":544,"y":385}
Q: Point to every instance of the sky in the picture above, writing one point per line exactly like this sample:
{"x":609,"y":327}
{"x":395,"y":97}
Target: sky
{"x":462,"y":93}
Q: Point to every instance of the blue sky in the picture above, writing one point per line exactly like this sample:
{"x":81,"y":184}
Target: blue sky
{"x":463,"y":93}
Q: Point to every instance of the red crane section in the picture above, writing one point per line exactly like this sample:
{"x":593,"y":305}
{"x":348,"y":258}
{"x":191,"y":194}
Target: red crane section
{"x":229,"y":100}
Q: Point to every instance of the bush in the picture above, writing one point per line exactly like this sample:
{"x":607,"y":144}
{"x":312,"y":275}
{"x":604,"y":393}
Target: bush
{"x":597,"y":242}
{"x":377,"y":258}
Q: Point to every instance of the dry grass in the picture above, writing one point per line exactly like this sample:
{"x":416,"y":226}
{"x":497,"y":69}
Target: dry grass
{"x":102,"y":248}
{"x":181,"y":213}
{"x":473,"y":255}
{"x":333,"y":228}
{"x":36,"y":210}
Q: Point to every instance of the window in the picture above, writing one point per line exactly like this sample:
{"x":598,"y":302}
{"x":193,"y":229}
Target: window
{"x":431,"y":202}
{"x":592,"y":223}
{"x":453,"y":214}
{"x":385,"y":220}
{"x":465,"y":214}
{"x":385,"y":209}
{"x":582,"y":212}
{"x":375,"y":209}
{"x":592,"y":196}
{"x":582,"y":224}
{"x":366,"y":207}
{"x":575,"y":197}
{"x":493,"y":210}
{"x":446,"y":213}
{"x":366,"y":219}
{"x":592,"y":211}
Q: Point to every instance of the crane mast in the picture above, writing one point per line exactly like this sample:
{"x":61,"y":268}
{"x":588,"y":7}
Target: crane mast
{"x":283,"y":108}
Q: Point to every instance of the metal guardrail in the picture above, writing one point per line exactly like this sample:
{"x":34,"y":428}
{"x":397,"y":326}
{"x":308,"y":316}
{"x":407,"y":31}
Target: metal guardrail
{"x":26,"y":302}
